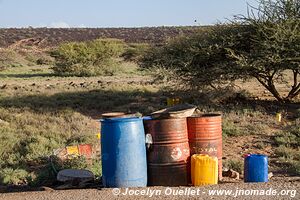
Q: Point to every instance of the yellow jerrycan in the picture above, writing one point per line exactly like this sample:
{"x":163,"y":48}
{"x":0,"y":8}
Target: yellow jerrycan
{"x":204,"y":170}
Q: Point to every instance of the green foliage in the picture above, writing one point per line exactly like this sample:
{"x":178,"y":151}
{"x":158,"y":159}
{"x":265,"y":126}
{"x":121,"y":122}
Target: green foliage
{"x":290,"y":137}
{"x":44,"y":60}
{"x":198,"y":59}
{"x":262,"y":46}
{"x":48,"y":173}
{"x":9,"y":58}
{"x":236,"y":165}
{"x":274,"y":45}
{"x":295,"y":167}
{"x":288,"y":142}
{"x":287,"y":153}
{"x":229,"y":129}
{"x":91,"y":58}
{"x":28,"y":138}
{"x":11,"y":176}
{"x":134,"y":52}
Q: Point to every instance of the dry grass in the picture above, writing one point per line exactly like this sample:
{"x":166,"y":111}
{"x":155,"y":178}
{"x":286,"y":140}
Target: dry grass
{"x":40,"y":112}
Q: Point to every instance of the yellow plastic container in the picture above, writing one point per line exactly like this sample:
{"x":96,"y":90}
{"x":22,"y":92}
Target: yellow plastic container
{"x":72,"y":150}
{"x":173,"y":101}
{"x":204,"y":170}
{"x":98,"y":136}
{"x":278,"y":117}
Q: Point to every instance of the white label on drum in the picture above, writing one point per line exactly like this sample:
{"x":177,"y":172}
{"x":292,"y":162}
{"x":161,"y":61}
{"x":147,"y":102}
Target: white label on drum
{"x":176,"y":153}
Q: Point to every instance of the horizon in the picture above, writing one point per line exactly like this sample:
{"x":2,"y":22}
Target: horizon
{"x":163,"y":26}
{"x":117,"y":13}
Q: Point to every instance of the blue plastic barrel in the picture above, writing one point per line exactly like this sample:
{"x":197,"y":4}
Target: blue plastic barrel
{"x":256,"y":168}
{"x":123,"y":149}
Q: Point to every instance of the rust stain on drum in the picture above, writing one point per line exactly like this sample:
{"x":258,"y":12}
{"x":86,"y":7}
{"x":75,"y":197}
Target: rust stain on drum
{"x":205,"y":136}
{"x":168,"y":155}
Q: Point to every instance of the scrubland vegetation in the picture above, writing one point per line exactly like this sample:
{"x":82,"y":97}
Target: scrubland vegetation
{"x":247,"y":69}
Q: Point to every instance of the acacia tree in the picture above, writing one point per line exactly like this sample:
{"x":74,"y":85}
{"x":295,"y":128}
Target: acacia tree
{"x":274,"y":45}
{"x":264,"y":45}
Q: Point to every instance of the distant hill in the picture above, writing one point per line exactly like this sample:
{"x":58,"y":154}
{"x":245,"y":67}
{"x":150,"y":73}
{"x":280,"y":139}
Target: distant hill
{"x":49,"y":37}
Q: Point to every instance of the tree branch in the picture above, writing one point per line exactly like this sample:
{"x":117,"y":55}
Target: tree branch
{"x":296,"y":86}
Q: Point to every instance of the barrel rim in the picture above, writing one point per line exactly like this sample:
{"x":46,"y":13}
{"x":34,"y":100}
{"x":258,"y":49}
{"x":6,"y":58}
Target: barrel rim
{"x":206,"y":115}
{"x":257,"y":155}
{"x":119,"y":119}
{"x":167,"y":119}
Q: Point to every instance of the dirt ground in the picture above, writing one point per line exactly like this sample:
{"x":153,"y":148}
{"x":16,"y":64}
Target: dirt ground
{"x":275,"y":189}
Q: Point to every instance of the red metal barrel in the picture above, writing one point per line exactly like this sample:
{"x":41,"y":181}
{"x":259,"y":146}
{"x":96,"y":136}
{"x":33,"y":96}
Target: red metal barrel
{"x":205,"y":136}
{"x":168,"y":155}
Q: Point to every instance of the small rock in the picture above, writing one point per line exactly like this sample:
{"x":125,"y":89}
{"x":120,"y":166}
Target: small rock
{"x":48,"y":189}
{"x":3,"y":86}
{"x":270,"y":175}
{"x":67,"y":175}
{"x":231,"y":174}
{"x":224,"y":169}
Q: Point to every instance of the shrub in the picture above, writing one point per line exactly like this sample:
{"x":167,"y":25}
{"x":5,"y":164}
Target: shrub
{"x":263,"y":47}
{"x":198,"y":59}
{"x":288,"y":142}
{"x":44,"y":60}
{"x":235,"y":165}
{"x":91,"y":58}
{"x":229,"y":129}
{"x":134,"y":52}
{"x":11,"y":176}
{"x":295,"y":167}
{"x":9,"y":58}
{"x":28,"y":138}
{"x":290,"y":137}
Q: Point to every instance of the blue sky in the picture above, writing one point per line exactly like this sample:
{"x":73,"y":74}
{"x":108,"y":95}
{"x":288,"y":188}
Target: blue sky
{"x":117,"y":13}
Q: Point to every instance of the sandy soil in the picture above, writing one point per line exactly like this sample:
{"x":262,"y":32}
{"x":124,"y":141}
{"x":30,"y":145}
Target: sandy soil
{"x":281,"y":190}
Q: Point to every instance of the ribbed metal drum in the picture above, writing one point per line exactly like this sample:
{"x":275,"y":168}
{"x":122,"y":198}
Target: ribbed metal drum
{"x":168,"y":155}
{"x":205,"y":136}
{"x":123,"y":151}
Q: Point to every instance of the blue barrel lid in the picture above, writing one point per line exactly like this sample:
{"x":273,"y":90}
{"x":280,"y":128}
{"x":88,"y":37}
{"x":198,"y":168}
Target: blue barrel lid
{"x":256,"y":155}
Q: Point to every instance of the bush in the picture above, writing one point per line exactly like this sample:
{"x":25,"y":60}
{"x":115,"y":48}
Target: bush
{"x":290,"y":137}
{"x":295,"y":167}
{"x":235,"y":165}
{"x":28,"y":138}
{"x":11,"y":176}
{"x":91,"y":58}
{"x":9,"y":58}
{"x":288,"y":142}
{"x":262,"y":47}
{"x":198,"y":59}
{"x":229,"y":129}
{"x":44,"y":60}
{"x":134,"y":52}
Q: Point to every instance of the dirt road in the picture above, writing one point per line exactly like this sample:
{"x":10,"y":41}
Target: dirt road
{"x":278,"y":188}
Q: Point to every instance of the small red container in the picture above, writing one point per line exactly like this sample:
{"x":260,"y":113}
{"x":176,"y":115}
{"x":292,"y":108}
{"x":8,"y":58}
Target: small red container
{"x":85,"y":150}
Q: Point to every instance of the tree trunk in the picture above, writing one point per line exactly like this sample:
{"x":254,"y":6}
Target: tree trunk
{"x":295,"y":91}
{"x":269,"y":85}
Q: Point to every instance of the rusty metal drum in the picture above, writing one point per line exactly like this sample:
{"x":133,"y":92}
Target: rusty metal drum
{"x":169,"y":153}
{"x":205,"y":136}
